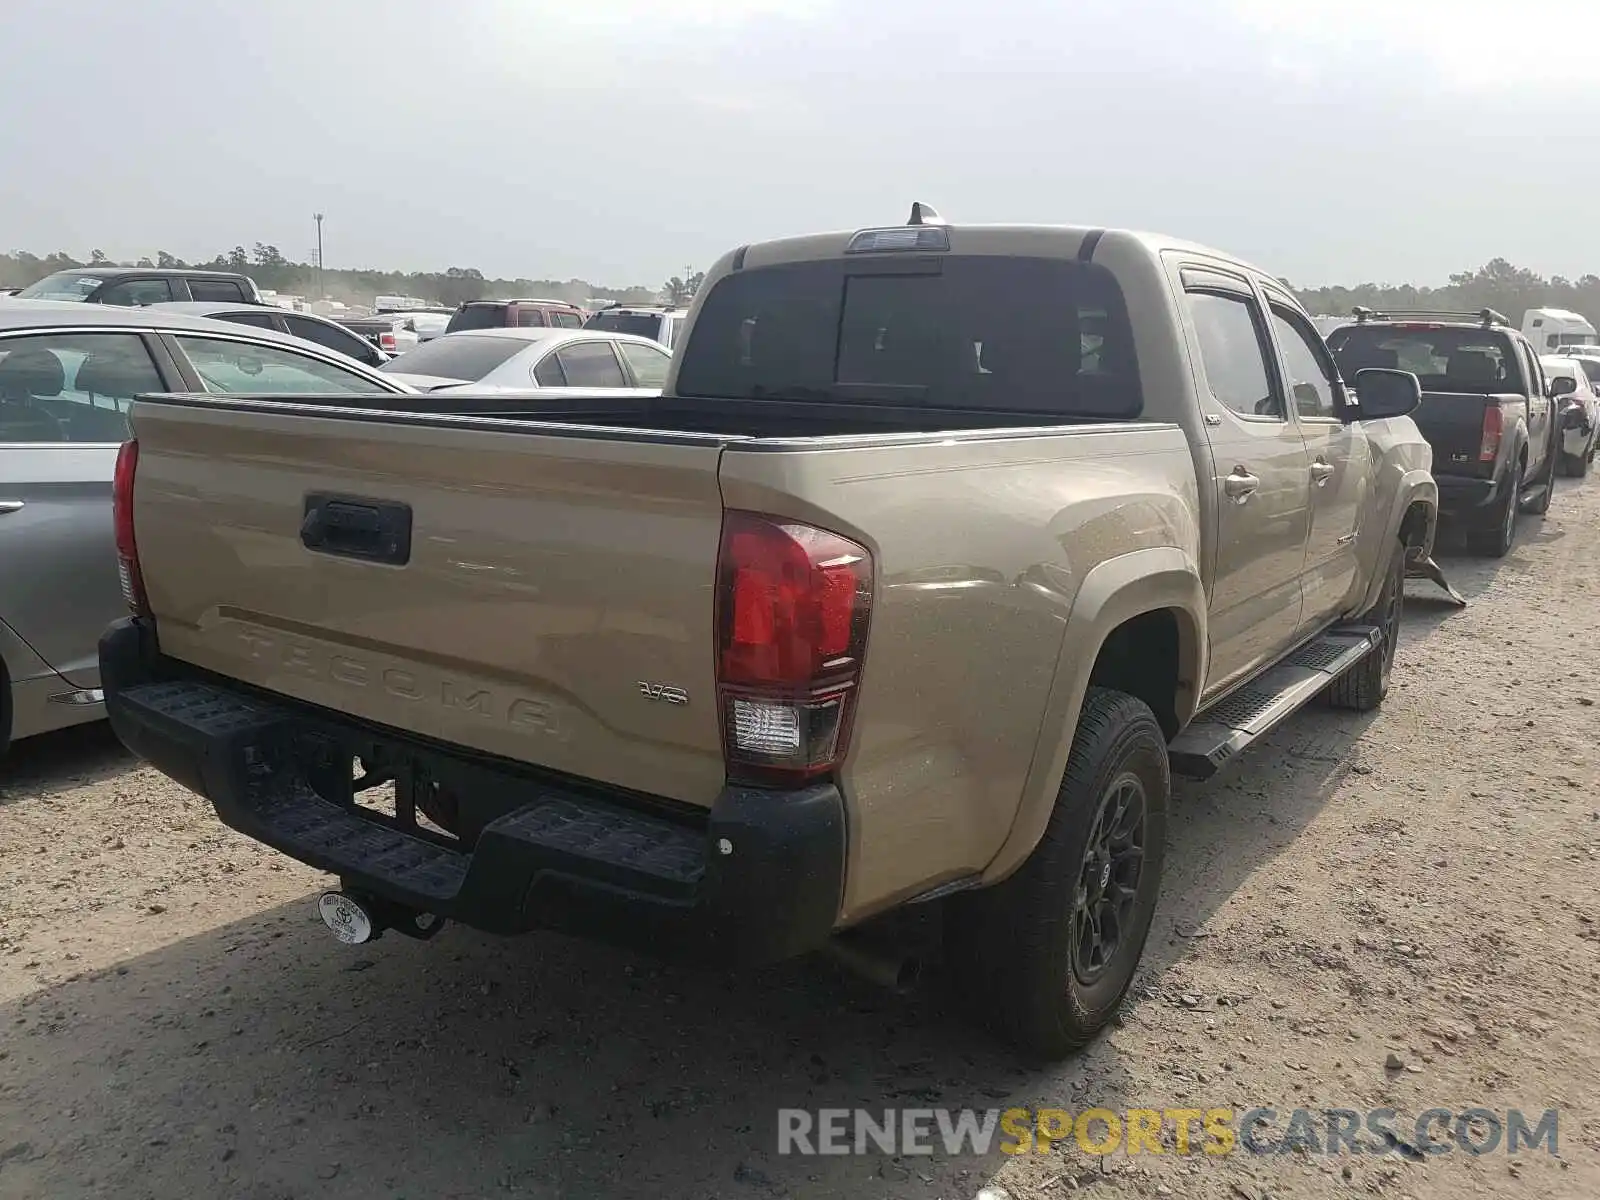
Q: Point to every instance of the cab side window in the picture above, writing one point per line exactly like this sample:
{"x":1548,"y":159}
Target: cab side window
{"x":1310,"y":372}
{"x":1234,"y":355}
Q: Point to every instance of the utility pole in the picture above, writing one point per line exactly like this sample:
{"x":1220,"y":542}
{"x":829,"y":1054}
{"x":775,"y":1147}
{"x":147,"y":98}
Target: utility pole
{"x":321,"y":291}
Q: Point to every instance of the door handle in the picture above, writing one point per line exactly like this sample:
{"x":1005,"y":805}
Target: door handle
{"x":1240,"y":484}
{"x":1321,"y":472}
{"x":10,"y":506}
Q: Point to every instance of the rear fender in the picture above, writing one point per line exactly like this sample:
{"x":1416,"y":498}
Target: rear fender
{"x":1115,"y":591}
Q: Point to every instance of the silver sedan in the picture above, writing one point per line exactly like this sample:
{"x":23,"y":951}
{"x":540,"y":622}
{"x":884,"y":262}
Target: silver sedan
{"x":535,"y":360}
{"x":67,"y":375}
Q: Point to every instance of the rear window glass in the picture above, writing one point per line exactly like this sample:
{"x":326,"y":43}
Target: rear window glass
{"x":452,"y":357}
{"x":1444,"y":360}
{"x":983,"y":332}
{"x":646,"y":325}
{"x":477,"y":316}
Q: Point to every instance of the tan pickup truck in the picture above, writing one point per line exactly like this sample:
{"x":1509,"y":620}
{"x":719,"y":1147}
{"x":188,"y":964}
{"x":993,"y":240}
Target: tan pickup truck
{"x":943,"y":547}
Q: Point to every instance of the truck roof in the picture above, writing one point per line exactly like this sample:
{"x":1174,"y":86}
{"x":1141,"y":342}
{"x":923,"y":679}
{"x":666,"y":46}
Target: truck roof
{"x":1043,"y":241}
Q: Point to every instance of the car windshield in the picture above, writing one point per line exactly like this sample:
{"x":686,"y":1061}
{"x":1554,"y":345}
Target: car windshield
{"x":456,"y":356}
{"x":1443,"y":358}
{"x":639,"y":324}
{"x":63,"y":285}
{"x":1021,"y":335}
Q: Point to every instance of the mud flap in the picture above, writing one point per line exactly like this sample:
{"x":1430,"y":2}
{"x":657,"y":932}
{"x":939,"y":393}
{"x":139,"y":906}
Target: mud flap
{"x":1426,"y":568}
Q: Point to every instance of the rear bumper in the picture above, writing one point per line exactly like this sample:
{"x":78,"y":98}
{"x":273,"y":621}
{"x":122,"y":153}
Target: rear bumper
{"x":1464,"y":498}
{"x":756,"y":879}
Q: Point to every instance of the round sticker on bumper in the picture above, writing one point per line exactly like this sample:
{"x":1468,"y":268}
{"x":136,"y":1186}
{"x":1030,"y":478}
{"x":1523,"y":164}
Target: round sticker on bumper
{"x":348,"y":920}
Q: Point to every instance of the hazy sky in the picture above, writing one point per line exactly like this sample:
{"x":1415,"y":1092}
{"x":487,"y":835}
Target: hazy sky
{"x":617,"y":141}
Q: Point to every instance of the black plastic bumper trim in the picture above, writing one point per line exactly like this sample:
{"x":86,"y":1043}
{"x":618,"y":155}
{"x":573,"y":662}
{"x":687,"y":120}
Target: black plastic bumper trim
{"x":759,"y":880}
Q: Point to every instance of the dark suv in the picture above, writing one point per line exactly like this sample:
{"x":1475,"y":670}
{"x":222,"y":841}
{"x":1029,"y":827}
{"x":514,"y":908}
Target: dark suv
{"x":500,"y":314}
{"x":134,"y":287}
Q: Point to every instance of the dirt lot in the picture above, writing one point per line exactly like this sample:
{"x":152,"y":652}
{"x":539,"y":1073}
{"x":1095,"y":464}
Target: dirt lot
{"x":175,"y":1021}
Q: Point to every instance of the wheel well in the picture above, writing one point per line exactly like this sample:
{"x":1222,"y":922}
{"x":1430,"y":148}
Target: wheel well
{"x":1414,"y":526}
{"x":5,"y":706}
{"x":1141,"y":657}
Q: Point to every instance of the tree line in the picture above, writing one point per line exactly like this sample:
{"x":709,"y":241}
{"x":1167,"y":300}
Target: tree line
{"x":1508,"y":289}
{"x":1497,"y":284}
{"x":272,"y":271}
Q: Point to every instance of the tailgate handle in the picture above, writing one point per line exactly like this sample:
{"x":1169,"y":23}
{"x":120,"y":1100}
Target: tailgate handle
{"x":356,"y":527}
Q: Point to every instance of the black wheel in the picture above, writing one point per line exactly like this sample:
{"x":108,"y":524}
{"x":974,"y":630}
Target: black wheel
{"x":1495,"y":538}
{"x":1363,"y":687}
{"x":1576,"y":466}
{"x":1045,"y":957}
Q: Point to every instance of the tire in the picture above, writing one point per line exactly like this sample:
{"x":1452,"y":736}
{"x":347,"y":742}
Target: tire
{"x":1363,"y":687}
{"x":1495,"y":539}
{"x":1576,"y":466}
{"x":1020,"y":952}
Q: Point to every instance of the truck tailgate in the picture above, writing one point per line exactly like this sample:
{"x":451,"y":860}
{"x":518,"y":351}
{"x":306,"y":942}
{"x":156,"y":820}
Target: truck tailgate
{"x":550,"y":580}
{"x":1453,"y":424}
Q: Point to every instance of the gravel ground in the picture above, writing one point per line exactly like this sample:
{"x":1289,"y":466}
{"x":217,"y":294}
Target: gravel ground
{"x":1394,"y":911}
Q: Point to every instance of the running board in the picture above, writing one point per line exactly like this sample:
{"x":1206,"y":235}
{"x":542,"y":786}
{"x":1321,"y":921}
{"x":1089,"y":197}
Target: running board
{"x":1239,"y":718}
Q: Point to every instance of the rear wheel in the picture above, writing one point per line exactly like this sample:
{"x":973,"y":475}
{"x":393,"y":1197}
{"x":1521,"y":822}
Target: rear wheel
{"x":1494,"y":540}
{"x":1576,"y":466}
{"x":1363,"y":687}
{"x":1045,"y":957}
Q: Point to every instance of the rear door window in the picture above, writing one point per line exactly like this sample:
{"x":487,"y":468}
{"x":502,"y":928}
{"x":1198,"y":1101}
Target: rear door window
{"x":1234,"y":354}
{"x":591,"y":364}
{"x":1020,"y":335}
{"x":72,"y":387}
{"x":257,"y":320}
{"x":136,"y":292}
{"x":530,"y":318}
{"x":649,"y":364}
{"x":331,"y":336}
{"x":225,"y":290}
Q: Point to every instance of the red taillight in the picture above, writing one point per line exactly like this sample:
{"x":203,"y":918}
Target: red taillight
{"x":793,"y":604}
{"x":122,"y":521}
{"x":1493,"y":427}
{"x":386,"y":341}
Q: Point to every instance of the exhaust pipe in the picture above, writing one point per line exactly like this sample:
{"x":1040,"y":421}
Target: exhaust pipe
{"x":887,"y":968}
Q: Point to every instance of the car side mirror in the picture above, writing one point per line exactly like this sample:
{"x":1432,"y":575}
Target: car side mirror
{"x":1381,"y":393}
{"x":1562,"y":385}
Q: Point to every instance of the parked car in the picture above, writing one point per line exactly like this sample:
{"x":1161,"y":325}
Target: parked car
{"x":134,"y":287}
{"x":429,"y":323}
{"x":534,"y":359}
{"x":306,"y":326}
{"x":515,"y":314}
{"x":67,"y":375}
{"x":658,"y":322}
{"x":903,"y":592}
{"x":1486,"y":410}
{"x":1578,"y":413}
{"x":392,"y":333}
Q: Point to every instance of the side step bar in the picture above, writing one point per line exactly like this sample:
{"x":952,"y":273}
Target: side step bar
{"x":1242,"y":716}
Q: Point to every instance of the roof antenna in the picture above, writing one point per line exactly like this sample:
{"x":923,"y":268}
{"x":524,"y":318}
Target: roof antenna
{"x":924,"y":214}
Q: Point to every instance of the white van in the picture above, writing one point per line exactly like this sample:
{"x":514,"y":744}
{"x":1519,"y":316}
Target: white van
{"x":1548,"y":328}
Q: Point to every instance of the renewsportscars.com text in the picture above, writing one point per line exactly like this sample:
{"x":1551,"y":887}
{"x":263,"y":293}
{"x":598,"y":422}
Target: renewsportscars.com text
{"x":1213,"y":1131}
